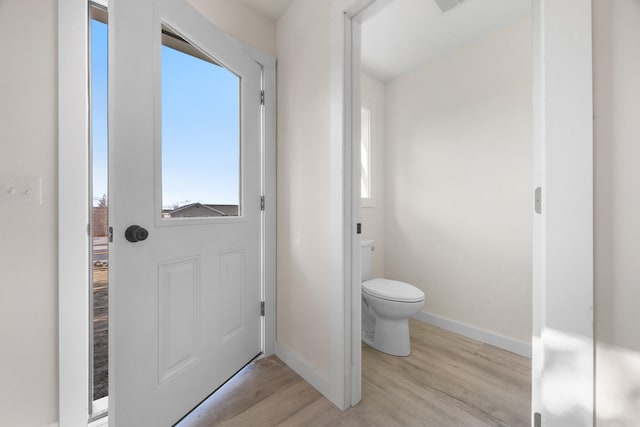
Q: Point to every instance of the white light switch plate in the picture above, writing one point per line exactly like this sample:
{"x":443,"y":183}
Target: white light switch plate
{"x":20,"y":190}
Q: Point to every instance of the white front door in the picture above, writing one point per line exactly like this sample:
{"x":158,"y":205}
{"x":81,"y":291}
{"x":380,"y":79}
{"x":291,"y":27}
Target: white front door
{"x":185,"y":302}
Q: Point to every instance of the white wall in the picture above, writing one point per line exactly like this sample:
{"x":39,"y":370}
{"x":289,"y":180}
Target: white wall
{"x":240,"y":21}
{"x":372,"y":217}
{"x":303,"y":51}
{"x":28,"y":235}
{"x":617,"y":214}
{"x":28,"y":242}
{"x":458,"y":168}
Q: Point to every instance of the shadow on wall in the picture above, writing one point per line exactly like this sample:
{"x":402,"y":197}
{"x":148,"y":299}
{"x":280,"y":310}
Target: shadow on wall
{"x":618,"y":399}
{"x":568,"y":392}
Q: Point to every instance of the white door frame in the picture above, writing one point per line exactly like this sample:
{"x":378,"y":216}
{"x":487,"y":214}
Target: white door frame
{"x":73,"y":212}
{"x":562,"y":235}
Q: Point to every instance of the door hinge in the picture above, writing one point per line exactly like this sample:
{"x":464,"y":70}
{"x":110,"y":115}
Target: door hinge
{"x":537,"y":419}
{"x":262,"y":97}
{"x":110,"y":234}
{"x":89,"y":230}
{"x":538,"y":200}
{"x":261,"y":203}
{"x":261,"y":308}
{"x":358,"y":228}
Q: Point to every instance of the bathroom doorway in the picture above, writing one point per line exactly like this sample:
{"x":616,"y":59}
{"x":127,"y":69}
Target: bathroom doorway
{"x":555,"y":224}
{"x":449,"y":154}
{"x":446,"y":162}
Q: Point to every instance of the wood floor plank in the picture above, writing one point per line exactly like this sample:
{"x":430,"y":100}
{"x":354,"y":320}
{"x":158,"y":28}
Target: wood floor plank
{"x":412,"y":403}
{"x":448,"y":380}
{"x":253,"y":384}
{"x":320,"y":412}
{"x":277,"y":407}
{"x":472,"y":374}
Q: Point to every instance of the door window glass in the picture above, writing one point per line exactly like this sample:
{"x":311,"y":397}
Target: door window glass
{"x":200,"y":133}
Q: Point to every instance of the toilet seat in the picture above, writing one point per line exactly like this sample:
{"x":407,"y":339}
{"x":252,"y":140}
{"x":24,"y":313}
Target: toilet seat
{"x":392,"y":290}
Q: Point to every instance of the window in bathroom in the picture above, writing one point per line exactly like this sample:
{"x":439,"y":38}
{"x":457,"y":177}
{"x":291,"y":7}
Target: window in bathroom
{"x":366,"y":157}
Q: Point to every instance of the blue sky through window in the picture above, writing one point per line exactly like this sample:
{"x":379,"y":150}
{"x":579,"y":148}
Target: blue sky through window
{"x":99,"y":63}
{"x":200,"y":127}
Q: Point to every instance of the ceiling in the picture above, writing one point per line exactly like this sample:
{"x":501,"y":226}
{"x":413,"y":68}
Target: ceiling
{"x":271,"y":8}
{"x":408,"y":33}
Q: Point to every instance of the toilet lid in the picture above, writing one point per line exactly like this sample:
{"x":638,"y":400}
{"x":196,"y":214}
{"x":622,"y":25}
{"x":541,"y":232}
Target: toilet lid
{"x":392,"y":290}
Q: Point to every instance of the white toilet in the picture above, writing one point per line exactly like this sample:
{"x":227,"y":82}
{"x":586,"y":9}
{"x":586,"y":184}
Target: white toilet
{"x":387,"y":306}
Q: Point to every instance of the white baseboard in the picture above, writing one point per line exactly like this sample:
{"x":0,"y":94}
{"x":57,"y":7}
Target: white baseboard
{"x":102,"y":422}
{"x":509,"y":344}
{"x":302,"y":368}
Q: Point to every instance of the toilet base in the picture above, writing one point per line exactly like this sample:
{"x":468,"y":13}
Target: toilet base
{"x":392,"y":337}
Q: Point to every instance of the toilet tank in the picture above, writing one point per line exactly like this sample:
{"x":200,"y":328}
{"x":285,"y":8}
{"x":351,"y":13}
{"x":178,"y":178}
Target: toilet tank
{"x":366,"y":249}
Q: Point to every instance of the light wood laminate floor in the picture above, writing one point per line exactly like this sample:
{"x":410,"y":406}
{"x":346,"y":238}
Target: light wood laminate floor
{"x":448,"y":380}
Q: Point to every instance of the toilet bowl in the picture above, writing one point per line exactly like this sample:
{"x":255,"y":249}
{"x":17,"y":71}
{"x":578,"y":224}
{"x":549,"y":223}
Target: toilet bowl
{"x":387,"y":306}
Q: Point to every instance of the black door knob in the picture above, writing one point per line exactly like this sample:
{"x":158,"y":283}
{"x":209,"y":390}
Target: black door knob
{"x":135,"y":233}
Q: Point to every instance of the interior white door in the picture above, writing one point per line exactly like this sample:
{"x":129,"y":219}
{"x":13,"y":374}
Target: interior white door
{"x":184,"y":311}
